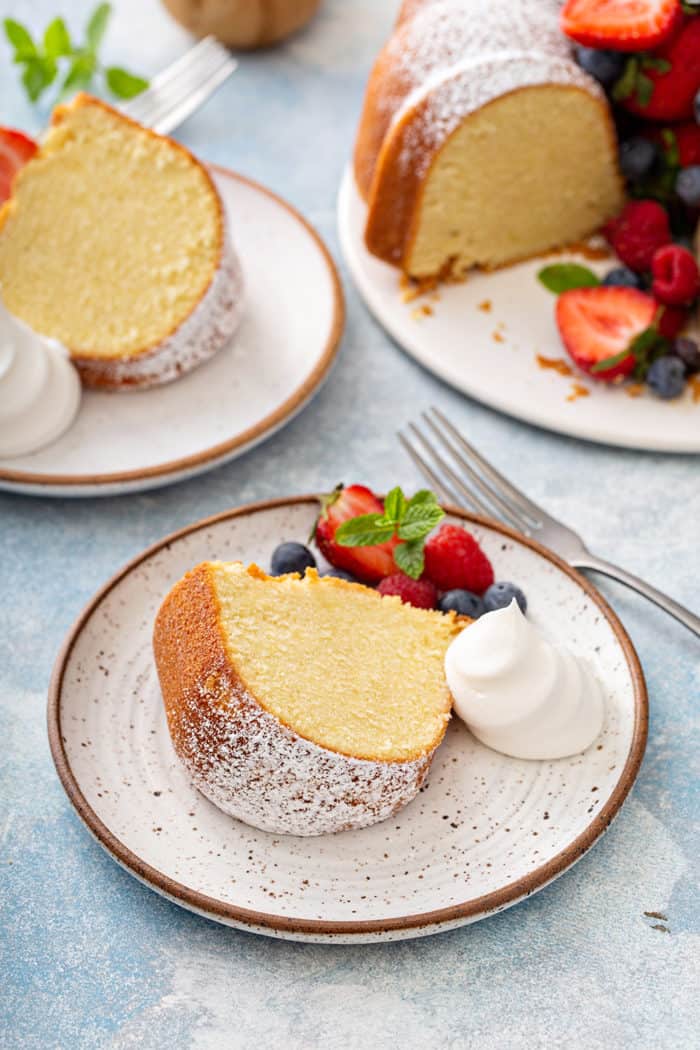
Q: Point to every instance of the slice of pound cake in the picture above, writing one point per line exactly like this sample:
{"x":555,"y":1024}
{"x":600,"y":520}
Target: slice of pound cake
{"x":114,"y":243}
{"x":301,"y":706}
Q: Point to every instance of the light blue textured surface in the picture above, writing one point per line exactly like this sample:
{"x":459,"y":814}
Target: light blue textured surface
{"x":89,"y":958}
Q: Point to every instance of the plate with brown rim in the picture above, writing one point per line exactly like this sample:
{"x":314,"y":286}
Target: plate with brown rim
{"x":485,"y":832}
{"x":283,"y":350}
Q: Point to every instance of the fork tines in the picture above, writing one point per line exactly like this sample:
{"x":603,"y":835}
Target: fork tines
{"x":460,"y":475}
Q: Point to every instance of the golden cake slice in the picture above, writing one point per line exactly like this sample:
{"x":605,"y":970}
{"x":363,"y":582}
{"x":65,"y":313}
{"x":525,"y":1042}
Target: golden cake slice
{"x":481,"y":141}
{"x":301,"y":706}
{"x":114,"y":243}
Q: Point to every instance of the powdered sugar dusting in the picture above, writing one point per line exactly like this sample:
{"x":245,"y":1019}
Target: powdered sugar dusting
{"x":253,"y":767}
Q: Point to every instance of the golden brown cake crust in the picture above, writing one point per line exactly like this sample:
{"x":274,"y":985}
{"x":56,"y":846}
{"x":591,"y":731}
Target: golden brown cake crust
{"x":242,"y":757}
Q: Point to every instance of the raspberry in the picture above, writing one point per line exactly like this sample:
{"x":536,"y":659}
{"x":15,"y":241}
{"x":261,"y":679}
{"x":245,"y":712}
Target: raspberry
{"x":676,"y":279}
{"x":420,"y":593}
{"x":455,"y":561}
{"x":672,"y":320}
{"x":639,"y":230}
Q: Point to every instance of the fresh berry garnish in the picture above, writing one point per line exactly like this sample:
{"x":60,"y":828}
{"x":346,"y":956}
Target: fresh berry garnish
{"x":687,"y":351}
{"x":671,"y":320}
{"x":637,"y":157}
{"x":16,"y":149}
{"x":619,"y":24}
{"x":598,"y":326}
{"x":675,"y":275}
{"x":501,"y":594}
{"x":464,"y":603}
{"x":455,"y":561}
{"x":339,"y":574}
{"x":420,"y":593}
{"x":686,"y":139}
{"x":368,"y":564}
{"x":696,"y":107}
{"x":623,"y":277}
{"x":291,"y":557}
{"x":639,"y":230}
{"x":666,"y":377}
{"x":662,"y":86}
{"x":688,"y":186}
{"x":603,"y":66}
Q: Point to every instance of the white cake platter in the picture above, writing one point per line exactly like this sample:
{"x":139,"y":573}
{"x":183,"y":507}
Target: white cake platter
{"x":278,"y":358}
{"x":484,"y":336}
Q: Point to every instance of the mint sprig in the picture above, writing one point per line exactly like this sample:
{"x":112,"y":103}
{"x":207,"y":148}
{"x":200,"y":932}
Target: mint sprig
{"x":562,"y":277}
{"x":645,"y":348}
{"x":55,"y":54}
{"x":409,"y":520}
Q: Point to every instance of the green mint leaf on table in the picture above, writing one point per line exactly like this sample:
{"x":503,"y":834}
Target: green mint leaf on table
{"x":123,"y":84}
{"x":97,"y":26}
{"x":367,"y":530}
{"x":57,"y":40}
{"x":20,"y":38}
{"x":409,"y":558}
{"x":562,"y":277}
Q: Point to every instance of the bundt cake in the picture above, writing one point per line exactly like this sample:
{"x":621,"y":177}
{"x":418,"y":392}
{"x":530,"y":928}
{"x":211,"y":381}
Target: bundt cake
{"x":481,"y":141}
{"x":114,"y":243}
{"x":301,"y":706}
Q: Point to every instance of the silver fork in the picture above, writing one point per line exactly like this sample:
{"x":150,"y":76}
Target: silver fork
{"x":182,"y":87}
{"x":460,"y":475}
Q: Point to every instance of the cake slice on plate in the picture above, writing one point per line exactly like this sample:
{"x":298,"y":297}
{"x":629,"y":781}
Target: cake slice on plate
{"x":301,"y":705}
{"x":114,"y":243}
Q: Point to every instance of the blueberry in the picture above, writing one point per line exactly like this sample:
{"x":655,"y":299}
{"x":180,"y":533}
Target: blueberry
{"x":462,"y":602}
{"x":291,"y":557}
{"x":339,"y":574}
{"x":604,"y":66}
{"x":500,"y":595}
{"x":689,"y":353}
{"x":666,"y":377}
{"x":623,"y":277}
{"x":637,"y":157}
{"x":688,"y":185}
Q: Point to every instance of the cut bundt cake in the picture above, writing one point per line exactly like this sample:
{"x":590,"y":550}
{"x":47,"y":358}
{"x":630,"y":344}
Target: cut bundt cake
{"x":481,"y":141}
{"x":114,"y":243}
{"x":301,"y":705}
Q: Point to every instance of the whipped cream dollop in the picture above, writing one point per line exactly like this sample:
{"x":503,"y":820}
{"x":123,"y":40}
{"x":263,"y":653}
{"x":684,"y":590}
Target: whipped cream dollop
{"x":519,"y":693}
{"x":39,"y":389}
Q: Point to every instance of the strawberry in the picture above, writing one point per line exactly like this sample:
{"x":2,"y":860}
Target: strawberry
{"x":368,"y":564}
{"x":16,"y":149}
{"x":620,"y":25}
{"x":663,"y":85}
{"x":597,"y":324}
{"x":455,"y":561}
{"x":639,"y":230}
{"x":420,"y":593}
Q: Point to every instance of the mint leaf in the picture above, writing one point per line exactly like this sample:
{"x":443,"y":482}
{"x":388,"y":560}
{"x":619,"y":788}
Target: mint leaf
{"x":645,"y":341}
{"x":409,"y":558}
{"x":671,"y":150}
{"x":661,"y":65}
{"x":80,"y":74}
{"x":610,"y":362}
{"x":562,"y":277}
{"x":420,"y":519}
{"x":20,"y":38}
{"x":123,"y":84}
{"x":626,"y":85}
{"x":57,"y":39}
{"x":38,"y":74}
{"x":645,"y":89}
{"x":97,"y":26}
{"x":394,"y":505}
{"x":364,"y":531}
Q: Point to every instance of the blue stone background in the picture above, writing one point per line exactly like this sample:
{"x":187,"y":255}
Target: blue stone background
{"x":88,"y":956}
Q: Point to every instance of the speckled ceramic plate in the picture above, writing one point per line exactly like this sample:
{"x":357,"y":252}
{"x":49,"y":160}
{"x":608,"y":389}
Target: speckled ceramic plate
{"x":483,"y":337}
{"x":278,"y":358}
{"x":484,"y":833}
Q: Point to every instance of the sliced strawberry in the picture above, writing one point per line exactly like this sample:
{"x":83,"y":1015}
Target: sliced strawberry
{"x":368,"y":564}
{"x":596,"y":324}
{"x":16,"y":149}
{"x":667,"y":81}
{"x":620,"y":25}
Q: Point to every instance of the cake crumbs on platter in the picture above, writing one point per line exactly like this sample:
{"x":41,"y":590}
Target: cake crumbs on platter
{"x":497,"y":336}
{"x":634,"y":389}
{"x":694,"y":385}
{"x":556,"y":364}
{"x":422,"y":311}
{"x":486,"y":306}
{"x":656,"y":915}
{"x":578,"y":390}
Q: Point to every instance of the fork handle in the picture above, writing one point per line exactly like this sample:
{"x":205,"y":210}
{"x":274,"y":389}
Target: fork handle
{"x":683,"y":615}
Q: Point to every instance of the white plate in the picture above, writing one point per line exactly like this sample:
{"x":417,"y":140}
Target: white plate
{"x":486,"y":831}
{"x":278,"y":358}
{"x":491,"y":355}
